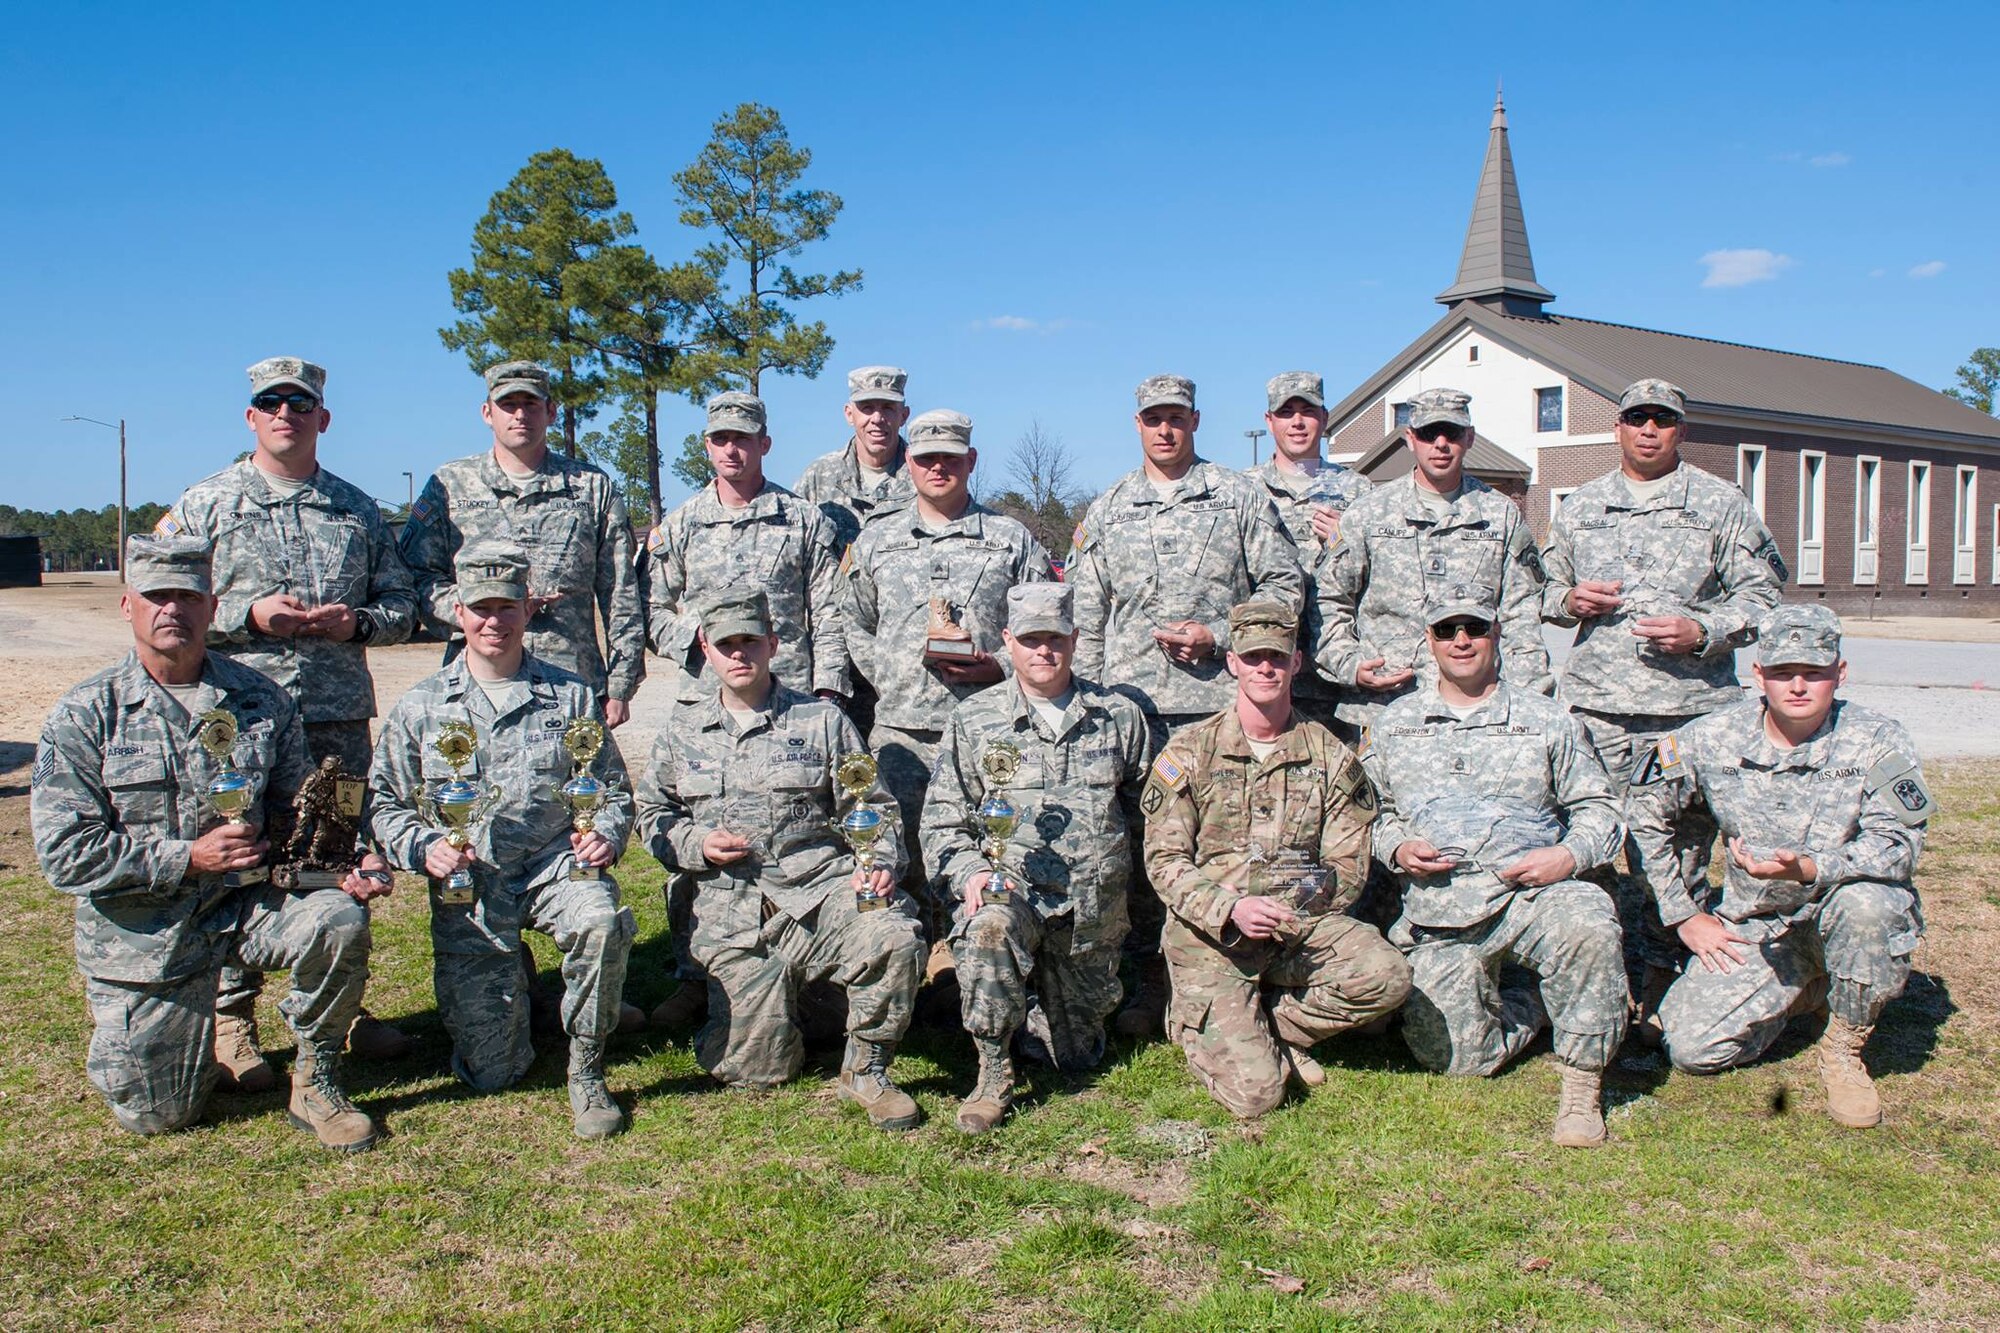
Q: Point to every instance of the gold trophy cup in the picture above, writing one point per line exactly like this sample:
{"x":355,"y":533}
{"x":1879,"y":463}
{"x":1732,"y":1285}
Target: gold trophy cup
{"x":230,"y":792}
{"x":863,"y":826}
{"x":456,"y":805}
{"x":585,"y":794}
{"x":998,"y":815}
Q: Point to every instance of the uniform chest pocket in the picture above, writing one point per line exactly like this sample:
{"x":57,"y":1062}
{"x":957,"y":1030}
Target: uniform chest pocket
{"x":696,"y":788}
{"x":1469,"y":555}
{"x":553,"y":533}
{"x":139,"y":788}
{"x":796,"y":795}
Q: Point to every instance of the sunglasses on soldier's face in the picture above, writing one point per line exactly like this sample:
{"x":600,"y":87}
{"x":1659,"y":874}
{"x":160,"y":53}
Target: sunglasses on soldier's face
{"x":271,"y":402}
{"x":1441,"y":431}
{"x":1663,"y":417}
{"x":1451,"y":629}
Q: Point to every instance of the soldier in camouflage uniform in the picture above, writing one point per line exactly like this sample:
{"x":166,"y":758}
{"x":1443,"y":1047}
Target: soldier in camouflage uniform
{"x":528,"y":865}
{"x":1432,"y":529}
{"x":566,"y":513}
{"x":1493,"y":803}
{"x":1156,"y":563}
{"x":119,"y":801}
{"x":1666,"y":571}
{"x":307,"y":577}
{"x":1257,"y":839}
{"x":740,"y":794}
{"x":867,"y":475}
{"x":1825,"y":808}
{"x":1311,"y":495}
{"x":1069,"y":757}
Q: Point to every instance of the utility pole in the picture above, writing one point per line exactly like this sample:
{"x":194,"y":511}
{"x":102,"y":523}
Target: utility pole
{"x":120,"y":428}
{"x":1254,"y":436}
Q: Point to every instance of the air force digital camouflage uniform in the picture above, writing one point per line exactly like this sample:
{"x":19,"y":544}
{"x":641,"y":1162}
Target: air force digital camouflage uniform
{"x":119,"y":796}
{"x":1210,"y":805}
{"x":834,"y":482}
{"x":1852,"y":797}
{"x":570,"y":519}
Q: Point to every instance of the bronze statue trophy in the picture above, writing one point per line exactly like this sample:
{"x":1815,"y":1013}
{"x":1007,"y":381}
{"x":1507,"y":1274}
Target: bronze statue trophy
{"x":863,"y":826}
{"x":945,"y":639}
{"x":230,"y":792}
{"x":998,"y":815}
{"x":584,"y":792}
{"x":456,"y":805}
{"x":317,"y":851}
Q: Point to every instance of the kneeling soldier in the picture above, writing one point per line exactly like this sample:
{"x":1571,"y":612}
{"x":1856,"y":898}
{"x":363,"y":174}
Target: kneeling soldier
{"x":132,"y":763}
{"x":1257,"y":840}
{"x":1062,"y":760}
{"x":1824,"y":807}
{"x":524,"y":865}
{"x":740,"y":793}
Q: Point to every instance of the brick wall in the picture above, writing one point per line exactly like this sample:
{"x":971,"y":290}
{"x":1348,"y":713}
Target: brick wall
{"x":1363,"y":433}
{"x":1590,"y":413}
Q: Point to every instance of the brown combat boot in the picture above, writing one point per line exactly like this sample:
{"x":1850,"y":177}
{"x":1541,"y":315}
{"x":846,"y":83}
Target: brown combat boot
{"x":320,"y":1105}
{"x":1580,"y":1113}
{"x":993,"y":1096}
{"x":1850,"y":1094}
{"x":687,"y":1007}
{"x":241,"y":1064}
{"x":1145,"y":1014}
{"x":594,"y":1115}
{"x":372,"y":1039}
{"x":1302,"y":1066}
{"x":864,"y":1080}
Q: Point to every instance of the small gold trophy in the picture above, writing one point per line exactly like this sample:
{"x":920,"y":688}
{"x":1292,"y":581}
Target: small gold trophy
{"x":945,"y":638}
{"x":456,"y":805}
{"x":863,"y":826}
{"x":997,"y":814}
{"x":585,"y":794}
{"x":230,"y":791}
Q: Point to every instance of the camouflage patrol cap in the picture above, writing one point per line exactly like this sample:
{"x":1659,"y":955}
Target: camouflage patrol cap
{"x":160,"y":564}
{"x":1295,"y":384}
{"x":517,"y":377}
{"x":1475,"y":601}
{"x":1041,"y":608}
{"x":1654,"y":393}
{"x":1803,"y":634}
{"x":1432,"y":407}
{"x":940,"y":432}
{"x":1165,"y":391}
{"x":490,"y":569}
{"x":1258,"y":626}
{"x":273,"y":371}
{"x":877,"y":384}
{"x":732,"y":613}
{"x":735,"y":410}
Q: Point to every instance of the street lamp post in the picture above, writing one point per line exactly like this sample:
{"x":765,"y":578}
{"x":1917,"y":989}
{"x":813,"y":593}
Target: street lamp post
{"x":120,"y":428}
{"x":1254,"y":436}
{"x":411,"y":478}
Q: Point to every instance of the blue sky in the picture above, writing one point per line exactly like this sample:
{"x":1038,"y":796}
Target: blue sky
{"x":1049,"y":202}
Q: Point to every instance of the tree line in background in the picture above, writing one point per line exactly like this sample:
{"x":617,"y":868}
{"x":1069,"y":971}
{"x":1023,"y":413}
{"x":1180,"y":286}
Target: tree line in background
{"x":78,"y":539}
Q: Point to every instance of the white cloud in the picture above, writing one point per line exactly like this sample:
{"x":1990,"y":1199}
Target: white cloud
{"x":1738,"y":268}
{"x":1829,"y":159}
{"x":1878,"y":272}
{"x":1928,"y":270}
{"x":1022,"y":324}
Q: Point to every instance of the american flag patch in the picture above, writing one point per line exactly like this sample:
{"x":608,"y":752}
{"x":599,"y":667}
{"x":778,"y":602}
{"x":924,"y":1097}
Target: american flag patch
{"x":1167,"y":771}
{"x":168,"y":526}
{"x":654,"y":538}
{"x":1078,"y":537}
{"x":422,"y":510}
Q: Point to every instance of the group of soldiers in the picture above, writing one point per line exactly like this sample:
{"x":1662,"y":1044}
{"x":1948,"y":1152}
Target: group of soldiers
{"x":1283,"y":747}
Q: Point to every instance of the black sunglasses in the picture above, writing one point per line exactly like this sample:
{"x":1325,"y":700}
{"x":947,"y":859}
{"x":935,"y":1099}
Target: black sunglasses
{"x":1451,"y":629}
{"x":1663,"y":417}
{"x":1441,"y":430}
{"x":271,"y":402}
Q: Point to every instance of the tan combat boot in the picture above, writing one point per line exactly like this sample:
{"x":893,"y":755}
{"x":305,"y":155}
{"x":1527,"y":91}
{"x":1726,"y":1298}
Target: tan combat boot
{"x":594,"y":1114}
{"x":864,"y":1080}
{"x":1145,"y":1014}
{"x":1850,"y":1094}
{"x":236,"y":1055}
{"x":320,"y":1105}
{"x":993,"y":1096}
{"x":685,"y":1008}
{"x":1580,"y":1112}
{"x":1302,"y":1066}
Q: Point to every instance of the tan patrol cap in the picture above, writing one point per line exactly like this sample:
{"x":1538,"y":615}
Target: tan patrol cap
{"x":1259,"y":625}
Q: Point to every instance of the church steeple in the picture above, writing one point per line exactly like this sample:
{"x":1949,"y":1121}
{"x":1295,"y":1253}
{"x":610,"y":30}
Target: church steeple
{"x":1497,"y":268}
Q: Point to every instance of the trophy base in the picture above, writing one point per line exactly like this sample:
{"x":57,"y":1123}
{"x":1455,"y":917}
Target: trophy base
{"x":316,"y":879}
{"x":997,"y":890}
{"x":586,"y":874}
{"x":243,"y":879}
{"x":450,"y":897}
{"x":868,"y":902}
{"x":956,"y":650}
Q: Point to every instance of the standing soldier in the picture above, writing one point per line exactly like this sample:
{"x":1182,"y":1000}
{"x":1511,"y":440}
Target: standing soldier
{"x":306,"y":578}
{"x":123,"y":782}
{"x":1666,"y":571}
{"x":527,"y":864}
{"x":1068,"y":757}
{"x":1825,"y":807}
{"x":1257,"y":838}
{"x":1311,"y":495}
{"x":1156,"y":563}
{"x":1493,"y":803}
{"x":867,"y":475}
{"x":740,"y":793}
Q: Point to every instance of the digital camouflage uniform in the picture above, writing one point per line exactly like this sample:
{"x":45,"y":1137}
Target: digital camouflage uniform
{"x":833,"y":482}
{"x":119,"y":796}
{"x":1296,"y":495}
{"x":1515,"y":773}
{"x":766,"y":925}
{"x":522,"y":878}
{"x":1209,"y":803}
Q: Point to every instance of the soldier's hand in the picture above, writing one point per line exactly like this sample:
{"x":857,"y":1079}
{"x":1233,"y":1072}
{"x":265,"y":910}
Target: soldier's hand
{"x":1783,"y":863}
{"x":723,"y":848}
{"x":1710,"y":939}
{"x":1544,"y":865}
{"x":592,"y":849}
{"x":442,"y":860}
{"x":1594,"y":597}
{"x":224,"y":848}
{"x":832,"y":697}
{"x":1185,"y":641}
{"x":1370,"y":675}
{"x":1259,"y":917}
{"x":617,"y":712}
{"x":365,"y":888}
{"x":979,"y":669}
{"x":336,"y":621}
{"x":539,"y":602}
{"x":877,"y":883}
{"x":975,"y":892}
{"x":1326,"y":524}
{"x":1669,"y":634}
{"x":280,"y":615}
{"x":1419,"y":857}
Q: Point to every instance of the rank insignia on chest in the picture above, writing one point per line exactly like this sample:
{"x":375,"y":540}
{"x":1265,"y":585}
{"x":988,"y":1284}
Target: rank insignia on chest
{"x":1458,"y":764}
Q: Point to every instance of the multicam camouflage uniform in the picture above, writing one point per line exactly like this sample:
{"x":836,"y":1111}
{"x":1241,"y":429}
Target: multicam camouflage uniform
{"x":1516,"y":772}
{"x":1209,"y":803}
{"x":785,"y":915}
{"x":522,"y":878}
{"x":119,"y":796}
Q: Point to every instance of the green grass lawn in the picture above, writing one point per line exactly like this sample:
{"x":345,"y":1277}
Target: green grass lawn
{"x":1388,"y":1197}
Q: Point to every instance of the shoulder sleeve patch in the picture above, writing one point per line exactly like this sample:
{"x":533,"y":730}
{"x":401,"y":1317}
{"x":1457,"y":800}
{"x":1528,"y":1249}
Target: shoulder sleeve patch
{"x":1079,"y":538}
{"x":1900,"y":777}
{"x":1355,"y":786}
{"x":1660,"y":763}
{"x":168,"y":526}
{"x":1169,"y":772}
{"x":1768,"y":553}
{"x":424,"y":509}
{"x":655,"y":537}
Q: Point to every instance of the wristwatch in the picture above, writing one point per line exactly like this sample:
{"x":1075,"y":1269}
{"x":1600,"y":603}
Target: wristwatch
{"x":364,"y":628}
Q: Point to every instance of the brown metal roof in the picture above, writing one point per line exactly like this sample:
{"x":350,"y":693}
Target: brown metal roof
{"x":1484,"y":460}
